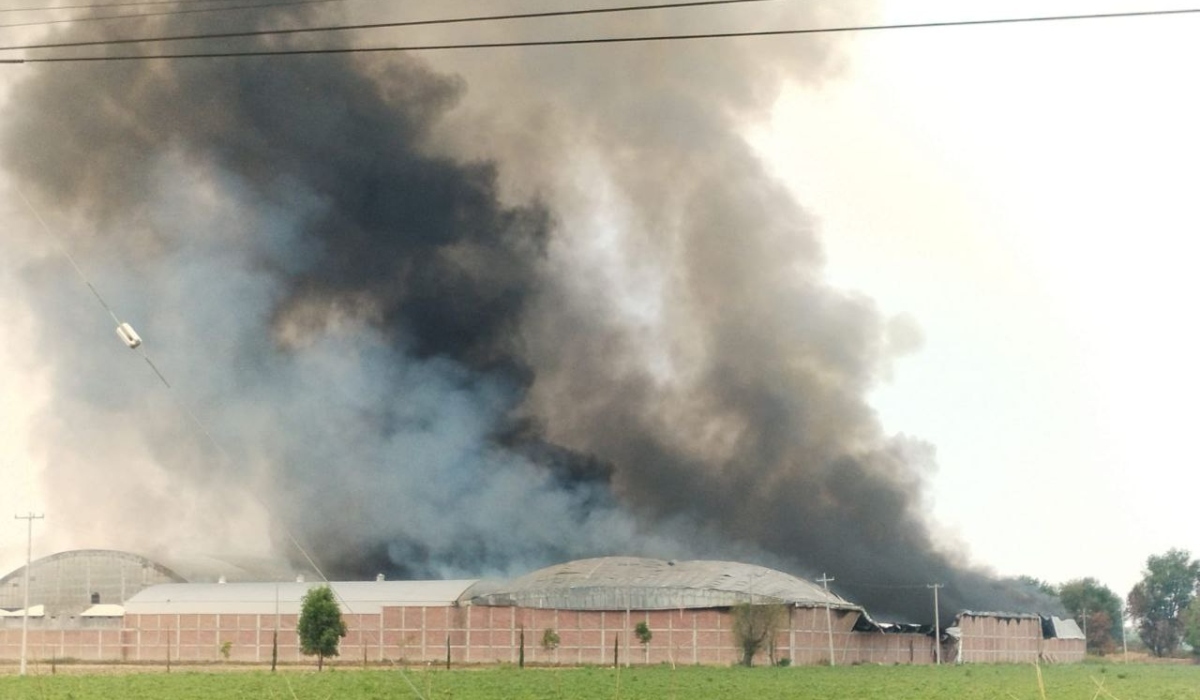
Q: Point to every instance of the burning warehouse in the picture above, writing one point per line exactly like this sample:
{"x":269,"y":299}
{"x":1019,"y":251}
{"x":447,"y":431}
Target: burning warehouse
{"x":458,"y":316}
{"x":587,"y":612}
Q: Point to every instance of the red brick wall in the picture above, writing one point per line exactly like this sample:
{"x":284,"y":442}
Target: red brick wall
{"x":202,"y":637}
{"x":96,"y":644}
{"x":987,"y":639}
{"x":484,"y":635}
{"x":1063,"y":651}
{"x":492,"y":635}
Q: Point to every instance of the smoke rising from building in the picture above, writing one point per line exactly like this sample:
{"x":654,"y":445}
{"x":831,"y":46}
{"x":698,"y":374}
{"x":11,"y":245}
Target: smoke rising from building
{"x":464,"y":314}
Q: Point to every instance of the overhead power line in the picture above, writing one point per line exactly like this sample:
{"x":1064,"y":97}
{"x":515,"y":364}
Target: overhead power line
{"x":384,"y":25}
{"x":103,"y":5}
{"x":163,"y":13}
{"x":604,"y":40}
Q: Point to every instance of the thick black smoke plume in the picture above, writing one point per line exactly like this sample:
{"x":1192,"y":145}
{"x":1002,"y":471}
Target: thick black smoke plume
{"x":463,"y":314}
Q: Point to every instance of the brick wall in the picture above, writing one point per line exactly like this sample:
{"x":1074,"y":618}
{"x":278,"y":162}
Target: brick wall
{"x":996,"y":639}
{"x":487,"y":635}
{"x":93,"y":644}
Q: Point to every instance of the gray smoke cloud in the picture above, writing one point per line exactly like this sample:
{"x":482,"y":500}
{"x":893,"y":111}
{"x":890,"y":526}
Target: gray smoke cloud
{"x":466,"y":313}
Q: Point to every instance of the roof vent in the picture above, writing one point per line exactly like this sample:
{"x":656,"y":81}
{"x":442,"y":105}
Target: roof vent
{"x":299,"y":578}
{"x":380,"y":577}
{"x":221,"y":579}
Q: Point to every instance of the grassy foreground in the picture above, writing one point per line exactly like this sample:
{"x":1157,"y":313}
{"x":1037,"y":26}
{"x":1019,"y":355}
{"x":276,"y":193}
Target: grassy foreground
{"x":1084,"y":682}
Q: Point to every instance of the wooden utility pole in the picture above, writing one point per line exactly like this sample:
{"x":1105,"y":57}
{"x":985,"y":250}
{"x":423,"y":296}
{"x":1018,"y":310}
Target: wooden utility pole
{"x":828,"y":616}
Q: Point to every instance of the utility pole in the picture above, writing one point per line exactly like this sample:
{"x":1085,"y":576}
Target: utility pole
{"x":937,"y":623}
{"x":29,"y":518}
{"x":828,"y":616}
{"x":1124,"y":644}
{"x":1085,"y":631}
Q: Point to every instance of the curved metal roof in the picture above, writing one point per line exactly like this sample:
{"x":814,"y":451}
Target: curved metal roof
{"x":68,"y":582}
{"x":359,"y":597}
{"x":619,"y":583}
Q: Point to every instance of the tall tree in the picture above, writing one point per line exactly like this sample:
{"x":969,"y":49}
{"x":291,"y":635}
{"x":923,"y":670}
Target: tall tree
{"x":1157,"y":601}
{"x":1087,"y":597}
{"x":321,"y":624}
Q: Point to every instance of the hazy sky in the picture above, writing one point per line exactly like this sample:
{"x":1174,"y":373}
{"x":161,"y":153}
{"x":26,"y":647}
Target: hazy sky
{"x":1021,"y":194}
{"x":1025,"y":194}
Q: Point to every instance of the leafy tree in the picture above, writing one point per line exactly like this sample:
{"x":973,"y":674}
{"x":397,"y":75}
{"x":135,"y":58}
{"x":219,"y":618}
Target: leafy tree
{"x":1102,"y":608}
{"x":1038,"y":585}
{"x":321,"y":624}
{"x":1191,"y":626}
{"x":755,"y":626}
{"x":643,"y":633}
{"x":1157,"y":601}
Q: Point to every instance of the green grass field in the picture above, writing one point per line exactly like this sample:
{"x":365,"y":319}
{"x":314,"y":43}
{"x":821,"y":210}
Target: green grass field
{"x":1080,"y":682}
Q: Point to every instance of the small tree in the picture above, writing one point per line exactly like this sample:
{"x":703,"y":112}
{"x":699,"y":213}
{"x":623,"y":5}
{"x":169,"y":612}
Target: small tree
{"x":550,"y":639}
{"x":642,"y":631}
{"x":755,"y":626}
{"x":321,"y":624}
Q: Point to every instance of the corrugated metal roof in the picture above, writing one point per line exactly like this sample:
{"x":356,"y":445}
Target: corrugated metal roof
{"x":618,"y":583}
{"x":104,"y":610}
{"x":34,"y":611}
{"x":1065,"y":629}
{"x":199,"y":567}
{"x":366,"y":597}
{"x":1000,"y":615}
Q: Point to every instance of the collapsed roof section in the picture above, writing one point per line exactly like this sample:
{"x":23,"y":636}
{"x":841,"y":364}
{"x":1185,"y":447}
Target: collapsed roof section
{"x":865,"y":623}
{"x":620,"y":583}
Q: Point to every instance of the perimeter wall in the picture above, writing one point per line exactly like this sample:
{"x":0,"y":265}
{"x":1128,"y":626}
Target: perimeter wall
{"x":487,"y":635}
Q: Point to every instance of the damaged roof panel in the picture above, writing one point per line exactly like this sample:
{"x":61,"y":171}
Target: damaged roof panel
{"x":1058,"y":628}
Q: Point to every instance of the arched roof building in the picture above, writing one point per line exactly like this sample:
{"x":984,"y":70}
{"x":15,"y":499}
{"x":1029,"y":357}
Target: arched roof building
{"x":69,"y":583}
{"x":620,"y":583}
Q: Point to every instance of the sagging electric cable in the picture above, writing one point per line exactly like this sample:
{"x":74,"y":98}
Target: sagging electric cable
{"x":595,"y":41}
{"x":134,"y":342}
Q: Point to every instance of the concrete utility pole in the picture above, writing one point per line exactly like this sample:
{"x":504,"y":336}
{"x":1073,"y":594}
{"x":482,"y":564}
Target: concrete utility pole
{"x":828,"y":616}
{"x":29,"y":518}
{"x":937,"y":623}
{"x":1124,"y":644}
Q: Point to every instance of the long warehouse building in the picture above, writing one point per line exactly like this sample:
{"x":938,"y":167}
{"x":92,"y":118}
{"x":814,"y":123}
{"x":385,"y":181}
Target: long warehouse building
{"x":582,"y":612}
